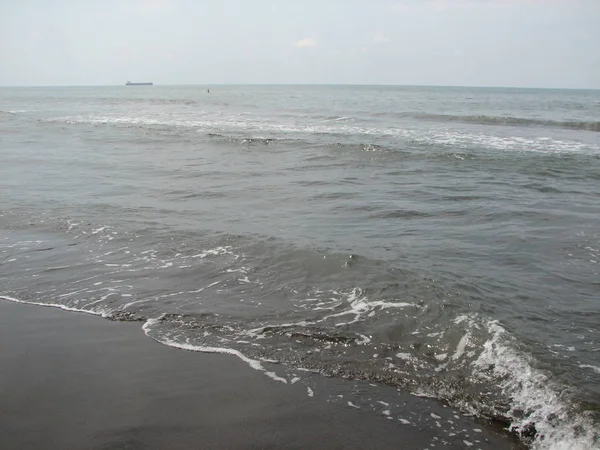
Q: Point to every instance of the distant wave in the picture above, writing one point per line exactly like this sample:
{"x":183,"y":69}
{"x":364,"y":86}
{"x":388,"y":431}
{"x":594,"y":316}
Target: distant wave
{"x":249,"y":139}
{"x":511,"y":121}
{"x":266,"y":131}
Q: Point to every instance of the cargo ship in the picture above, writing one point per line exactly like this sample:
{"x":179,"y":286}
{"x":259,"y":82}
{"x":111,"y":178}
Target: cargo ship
{"x":129,"y":83}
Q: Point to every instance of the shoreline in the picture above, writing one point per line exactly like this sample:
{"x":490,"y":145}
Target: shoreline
{"x":74,"y":381}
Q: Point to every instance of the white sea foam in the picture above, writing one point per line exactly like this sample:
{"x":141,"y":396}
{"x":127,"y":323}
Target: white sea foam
{"x":360,"y":306}
{"x":262,"y":128}
{"x":253,"y":363}
{"x":541,"y":402}
{"x":100,"y":229}
{"x":274,"y":376}
{"x":56,"y":305}
{"x":205,"y":287}
{"x":461,"y":139}
{"x":240,"y":270}
{"x":460,"y":348}
{"x":363,"y":339}
{"x":588,"y":366}
{"x":226,"y":250}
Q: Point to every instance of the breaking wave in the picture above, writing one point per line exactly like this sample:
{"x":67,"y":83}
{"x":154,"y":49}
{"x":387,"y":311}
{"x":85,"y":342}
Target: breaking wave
{"x":510,"y":121}
{"x":234,"y":128}
{"x":483,"y":374}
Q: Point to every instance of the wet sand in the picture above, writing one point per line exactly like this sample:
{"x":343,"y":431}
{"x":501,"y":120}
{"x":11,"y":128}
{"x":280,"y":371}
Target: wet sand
{"x":75,"y":381}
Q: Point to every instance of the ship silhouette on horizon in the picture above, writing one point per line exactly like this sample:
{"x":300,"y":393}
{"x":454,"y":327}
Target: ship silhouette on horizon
{"x":145,"y":83}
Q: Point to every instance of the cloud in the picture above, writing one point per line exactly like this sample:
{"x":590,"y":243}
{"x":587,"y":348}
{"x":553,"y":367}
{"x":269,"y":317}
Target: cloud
{"x":381,"y":37}
{"x":306,"y":42}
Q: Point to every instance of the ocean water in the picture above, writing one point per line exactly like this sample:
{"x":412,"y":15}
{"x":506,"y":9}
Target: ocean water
{"x":444,"y":241}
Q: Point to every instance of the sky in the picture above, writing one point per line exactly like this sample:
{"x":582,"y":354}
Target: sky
{"x":521,"y":43}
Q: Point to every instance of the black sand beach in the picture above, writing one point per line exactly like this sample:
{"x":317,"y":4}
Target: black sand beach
{"x":72,"y":381}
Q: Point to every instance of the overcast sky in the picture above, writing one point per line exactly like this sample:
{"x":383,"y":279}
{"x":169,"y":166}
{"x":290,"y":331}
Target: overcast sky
{"x":531,"y":43}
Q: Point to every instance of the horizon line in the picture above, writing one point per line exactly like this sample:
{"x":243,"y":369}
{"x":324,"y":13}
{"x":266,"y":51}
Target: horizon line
{"x":311,"y":84}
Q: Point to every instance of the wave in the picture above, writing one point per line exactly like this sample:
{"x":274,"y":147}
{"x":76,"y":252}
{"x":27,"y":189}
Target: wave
{"x":379,"y":139}
{"x":250,"y":140}
{"x":253,"y":363}
{"x":520,"y":397}
{"x":485,"y":377}
{"x":57,"y":305}
{"x":382,"y":333}
{"x":508,"y":121}
{"x":14,"y":112}
{"x":383,"y":327}
{"x":541,"y":411}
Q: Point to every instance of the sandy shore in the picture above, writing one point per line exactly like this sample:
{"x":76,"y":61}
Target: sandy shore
{"x":74,"y":381}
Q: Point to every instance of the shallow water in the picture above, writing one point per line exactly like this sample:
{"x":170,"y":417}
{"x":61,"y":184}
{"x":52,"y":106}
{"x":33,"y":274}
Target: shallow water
{"x":445,"y":241}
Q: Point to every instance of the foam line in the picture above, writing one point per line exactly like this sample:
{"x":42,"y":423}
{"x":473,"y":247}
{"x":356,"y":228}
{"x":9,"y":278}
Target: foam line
{"x":253,"y":363}
{"x":54,"y":305}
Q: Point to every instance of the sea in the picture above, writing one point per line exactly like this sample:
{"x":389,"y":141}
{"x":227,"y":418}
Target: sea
{"x":444,"y":241}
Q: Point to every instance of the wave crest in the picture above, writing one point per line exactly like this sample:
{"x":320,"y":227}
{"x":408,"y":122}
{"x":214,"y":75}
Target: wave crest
{"x":512,"y":121}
